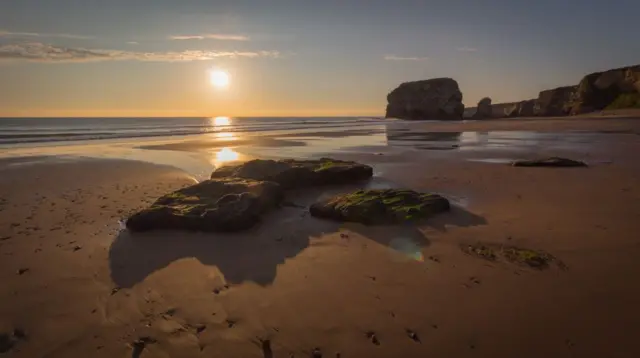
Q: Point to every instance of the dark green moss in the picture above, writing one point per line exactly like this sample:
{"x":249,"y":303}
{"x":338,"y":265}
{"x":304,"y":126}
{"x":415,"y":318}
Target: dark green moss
{"x":532,"y":258}
{"x":528,"y":257}
{"x":326,"y":165}
{"x":626,"y":100}
{"x":481,"y":251}
{"x":381,"y":206}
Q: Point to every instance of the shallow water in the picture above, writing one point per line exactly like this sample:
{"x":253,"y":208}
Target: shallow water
{"x":233,"y":140}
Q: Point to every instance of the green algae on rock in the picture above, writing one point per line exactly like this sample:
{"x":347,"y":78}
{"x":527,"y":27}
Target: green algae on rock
{"x":292,"y":173}
{"x":549,"y":162}
{"x":521,"y":256}
{"x":386,"y":206}
{"x":213,"y":205}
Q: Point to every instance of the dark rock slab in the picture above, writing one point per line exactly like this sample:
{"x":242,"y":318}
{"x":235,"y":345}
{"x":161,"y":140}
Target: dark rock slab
{"x":386,"y":206}
{"x":549,"y":162}
{"x":291,"y":173}
{"x":229,"y":204}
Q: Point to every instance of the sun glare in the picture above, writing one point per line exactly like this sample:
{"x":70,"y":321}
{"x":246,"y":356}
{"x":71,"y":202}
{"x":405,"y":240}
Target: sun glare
{"x":219,"y":79}
{"x":221,"y":121}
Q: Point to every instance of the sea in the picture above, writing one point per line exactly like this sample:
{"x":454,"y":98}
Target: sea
{"x":15,"y":131}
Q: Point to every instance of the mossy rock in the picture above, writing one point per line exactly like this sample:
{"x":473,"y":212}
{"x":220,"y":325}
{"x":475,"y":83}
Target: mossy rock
{"x":549,"y":162}
{"x":291,"y":173}
{"x":386,"y":206}
{"x":213,"y":205}
{"x":526,"y":257}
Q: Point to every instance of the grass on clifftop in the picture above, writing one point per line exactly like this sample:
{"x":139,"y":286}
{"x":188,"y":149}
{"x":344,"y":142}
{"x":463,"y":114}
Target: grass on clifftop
{"x":626,"y":100}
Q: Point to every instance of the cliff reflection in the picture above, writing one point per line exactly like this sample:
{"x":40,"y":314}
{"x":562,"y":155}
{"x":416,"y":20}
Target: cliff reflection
{"x":405,"y":137}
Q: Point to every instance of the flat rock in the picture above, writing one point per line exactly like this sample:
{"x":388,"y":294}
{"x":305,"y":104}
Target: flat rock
{"x":228,"y":204}
{"x":549,"y":162}
{"x":291,"y":173}
{"x":386,"y":206}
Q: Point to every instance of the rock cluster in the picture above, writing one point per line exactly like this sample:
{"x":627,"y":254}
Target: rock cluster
{"x":236,"y":196}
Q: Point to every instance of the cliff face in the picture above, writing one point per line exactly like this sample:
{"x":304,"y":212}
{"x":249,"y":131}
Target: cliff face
{"x":506,"y":110}
{"x":554,"y":102}
{"x":598,"y":90}
{"x":434,"y":99}
{"x":440,"y":98}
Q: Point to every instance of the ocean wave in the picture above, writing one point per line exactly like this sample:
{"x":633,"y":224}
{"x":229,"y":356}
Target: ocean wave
{"x":15,"y":131}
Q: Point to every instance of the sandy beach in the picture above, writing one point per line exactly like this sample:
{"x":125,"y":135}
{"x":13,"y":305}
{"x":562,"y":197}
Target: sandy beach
{"x":76,"y":284}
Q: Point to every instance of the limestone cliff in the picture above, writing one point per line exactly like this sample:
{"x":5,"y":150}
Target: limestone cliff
{"x":598,"y":90}
{"x":554,"y":102}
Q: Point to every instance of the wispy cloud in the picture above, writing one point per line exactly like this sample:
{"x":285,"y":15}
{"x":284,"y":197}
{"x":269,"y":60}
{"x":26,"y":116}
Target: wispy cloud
{"x":4,"y":33}
{"x":132,"y":43}
{"x":223,"y":37}
{"x":404,"y":58}
{"x":39,"y":52}
{"x":467,"y":49}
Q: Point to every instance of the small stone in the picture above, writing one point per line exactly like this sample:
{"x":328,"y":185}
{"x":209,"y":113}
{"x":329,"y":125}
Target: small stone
{"x":19,"y":333}
{"x":316,"y":353}
{"x":413,"y":335}
{"x":22,"y":271}
{"x":372,"y":337}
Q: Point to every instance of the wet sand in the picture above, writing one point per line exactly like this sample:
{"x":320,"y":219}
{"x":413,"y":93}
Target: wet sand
{"x":77,"y":285}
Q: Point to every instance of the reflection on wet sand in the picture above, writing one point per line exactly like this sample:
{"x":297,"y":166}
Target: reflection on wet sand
{"x":403,"y":136}
{"x":224,"y":155}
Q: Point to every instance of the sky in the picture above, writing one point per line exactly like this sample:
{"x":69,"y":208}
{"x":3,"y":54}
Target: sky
{"x":295,"y":58}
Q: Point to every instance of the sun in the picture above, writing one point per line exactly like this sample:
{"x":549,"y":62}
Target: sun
{"x":219,"y":79}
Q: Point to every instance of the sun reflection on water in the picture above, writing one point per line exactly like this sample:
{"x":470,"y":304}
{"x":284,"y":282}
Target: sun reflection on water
{"x":225,"y":135}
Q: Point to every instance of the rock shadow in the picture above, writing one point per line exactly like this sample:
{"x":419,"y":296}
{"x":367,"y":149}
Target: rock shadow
{"x":255,"y":254}
{"x":456,"y":217}
{"x":251,"y":255}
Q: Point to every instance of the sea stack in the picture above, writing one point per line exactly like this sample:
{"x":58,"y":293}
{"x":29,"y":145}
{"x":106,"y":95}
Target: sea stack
{"x":484,"y":109}
{"x":433,"y":99}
